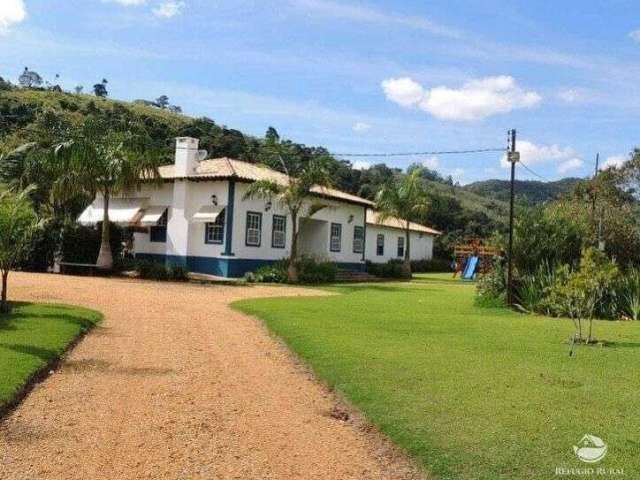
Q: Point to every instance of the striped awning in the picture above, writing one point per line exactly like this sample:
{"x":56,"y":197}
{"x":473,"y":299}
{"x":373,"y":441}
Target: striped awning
{"x":122,"y":211}
{"x":207,"y":214}
{"x":152,"y":215}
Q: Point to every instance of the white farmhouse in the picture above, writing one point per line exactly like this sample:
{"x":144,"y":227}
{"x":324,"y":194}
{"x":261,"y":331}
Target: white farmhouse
{"x":198,"y":217}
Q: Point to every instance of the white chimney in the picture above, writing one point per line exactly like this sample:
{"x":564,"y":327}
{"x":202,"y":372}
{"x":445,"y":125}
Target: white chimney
{"x":186,"y":156}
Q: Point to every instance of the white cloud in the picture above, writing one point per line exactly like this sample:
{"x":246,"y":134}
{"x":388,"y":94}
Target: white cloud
{"x":361,"y":165}
{"x":615,"y":161}
{"x":475,"y":100}
{"x":432,"y":162}
{"x":531,"y":154}
{"x":11,"y":12}
{"x":361,"y":127}
{"x":169,"y":9}
{"x":403,"y":91}
{"x":570,"y":165}
{"x":635,"y":35}
{"x":457,"y":174}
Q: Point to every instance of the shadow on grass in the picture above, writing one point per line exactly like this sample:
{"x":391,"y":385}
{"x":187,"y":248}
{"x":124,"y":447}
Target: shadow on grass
{"x":623,"y":345}
{"x":44,"y":354}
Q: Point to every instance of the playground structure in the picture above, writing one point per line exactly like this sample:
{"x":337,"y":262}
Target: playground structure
{"x":474,"y":258}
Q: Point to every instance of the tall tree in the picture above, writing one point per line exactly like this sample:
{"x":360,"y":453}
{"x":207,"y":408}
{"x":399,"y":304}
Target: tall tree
{"x":162,"y":101}
{"x":405,"y":198}
{"x":101,"y":160}
{"x":296,"y":195}
{"x":18,"y":223}
{"x":29,"y":78}
{"x":100,"y":89}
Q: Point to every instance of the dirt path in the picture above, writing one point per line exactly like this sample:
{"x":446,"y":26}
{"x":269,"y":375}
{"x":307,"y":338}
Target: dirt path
{"x":176,"y":385}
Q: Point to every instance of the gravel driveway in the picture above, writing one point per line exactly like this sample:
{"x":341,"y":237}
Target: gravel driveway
{"x":176,"y":385}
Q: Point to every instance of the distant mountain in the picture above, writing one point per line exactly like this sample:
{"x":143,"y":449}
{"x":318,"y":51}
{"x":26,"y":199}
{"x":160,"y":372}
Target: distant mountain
{"x":532,"y":190}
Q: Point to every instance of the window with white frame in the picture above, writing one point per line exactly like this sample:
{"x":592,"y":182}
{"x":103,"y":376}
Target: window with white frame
{"x":380,"y":244}
{"x":335,"y":243}
{"x":253,"y":233}
{"x":358,"y":239}
{"x":214,"y":231}
{"x":401,"y":247}
{"x":279,"y":231}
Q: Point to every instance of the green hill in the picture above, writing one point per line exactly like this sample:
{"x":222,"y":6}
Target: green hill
{"x":534,"y":192}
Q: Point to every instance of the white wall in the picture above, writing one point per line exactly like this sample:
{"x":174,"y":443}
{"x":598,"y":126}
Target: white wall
{"x":185,"y":198}
{"x":338,"y":213}
{"x":421,"y":245}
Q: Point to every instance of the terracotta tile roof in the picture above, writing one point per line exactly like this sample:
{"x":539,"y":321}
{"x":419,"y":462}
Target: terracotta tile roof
{"x":394,"y":222}
{"x":219,"y":168}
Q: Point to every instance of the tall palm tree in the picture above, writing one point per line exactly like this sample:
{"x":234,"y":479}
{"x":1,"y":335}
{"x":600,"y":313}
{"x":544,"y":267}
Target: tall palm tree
{"x":99,"y":159}
{"x":405,"y":198}
{"x":18,"y":223}
{"x":296,"y":195}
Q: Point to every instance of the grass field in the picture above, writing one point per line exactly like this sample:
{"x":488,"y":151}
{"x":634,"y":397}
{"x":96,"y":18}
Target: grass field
{"x":31,"y":337}
{"x":470,"y":392}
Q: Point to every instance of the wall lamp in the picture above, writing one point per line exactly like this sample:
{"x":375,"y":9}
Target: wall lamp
{"x":350,"y":219}
{"x":214,"y":200}
{"x":267,"y":206}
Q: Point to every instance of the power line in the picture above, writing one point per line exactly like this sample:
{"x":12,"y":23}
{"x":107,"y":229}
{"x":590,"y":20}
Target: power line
{"x":411,"y":154}
{"x":534,"y":173}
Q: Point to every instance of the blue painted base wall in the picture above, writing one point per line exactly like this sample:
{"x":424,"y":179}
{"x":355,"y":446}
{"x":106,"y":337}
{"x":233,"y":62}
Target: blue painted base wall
{"x":225,"y":267}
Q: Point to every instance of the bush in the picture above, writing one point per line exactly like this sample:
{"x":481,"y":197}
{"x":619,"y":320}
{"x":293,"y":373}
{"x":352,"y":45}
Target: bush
{"x":491,"y":289}
{"x":81,"y":244}
{"x":435,"y":265}
{"x":311,"y":270}
{"x":391,"y":269}
{"x":178,"y":273}
{"x":276,"y":273}
{"x":150,"y":270}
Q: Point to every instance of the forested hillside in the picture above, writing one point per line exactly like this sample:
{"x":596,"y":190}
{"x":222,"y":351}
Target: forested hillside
{"x":532,"y":191}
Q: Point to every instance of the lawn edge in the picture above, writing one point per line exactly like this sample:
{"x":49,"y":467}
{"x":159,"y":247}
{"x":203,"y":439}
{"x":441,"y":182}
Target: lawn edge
{"x":41,"y":374}
{"x":358,"y":420}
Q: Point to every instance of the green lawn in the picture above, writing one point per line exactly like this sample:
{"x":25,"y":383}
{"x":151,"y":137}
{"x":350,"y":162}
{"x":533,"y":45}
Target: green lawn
{"x":470,"y":392}
{"x":31,"y":337}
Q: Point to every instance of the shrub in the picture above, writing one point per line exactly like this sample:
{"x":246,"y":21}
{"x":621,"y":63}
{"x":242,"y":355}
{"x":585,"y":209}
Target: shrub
{"x":491,"y":289}
{"x":276,"y":273}
{"x":151,"y":270}
{"x":531,"y":290}
{"x":311,"y":270}
{"x":391,"y":269}
{"x":435,"y":265}
{"x":628,"y":290}
{"x":178,"y":273}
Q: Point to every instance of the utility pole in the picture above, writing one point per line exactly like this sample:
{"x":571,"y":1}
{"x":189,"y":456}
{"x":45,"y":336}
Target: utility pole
{"x":513,"y":158}
{"x":594,"y":192}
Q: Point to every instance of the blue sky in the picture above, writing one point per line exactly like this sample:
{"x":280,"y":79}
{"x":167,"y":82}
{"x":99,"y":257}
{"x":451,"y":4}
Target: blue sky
{"x":362,"y":76}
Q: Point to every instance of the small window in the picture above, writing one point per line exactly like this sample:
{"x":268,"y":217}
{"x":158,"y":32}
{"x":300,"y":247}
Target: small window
{"x":158,"y":233}
{"x":279,"y":231}
{"x":401,"y":247}
{"x":253,"y":234}
{"x":380,"y":245}
{"x":358,"y":239}
{"x":335,"y":244}
{"x":214,"y":231}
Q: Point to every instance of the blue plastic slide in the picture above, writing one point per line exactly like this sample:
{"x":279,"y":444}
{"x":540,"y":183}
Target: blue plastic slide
{"x":470,"y":268}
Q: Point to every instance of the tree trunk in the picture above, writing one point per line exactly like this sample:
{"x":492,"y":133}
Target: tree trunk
{"x":4,"y":305}
{"x":292,"y":269}
{"x":406,"y":265}
{"x":105,"y":258}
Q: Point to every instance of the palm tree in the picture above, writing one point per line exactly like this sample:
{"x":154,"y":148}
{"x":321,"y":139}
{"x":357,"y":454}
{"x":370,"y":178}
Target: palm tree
{"x":405,"y":198}
{"x":18,"y":222}
{"x":296,"y":195}
{"x":99,"y":159}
